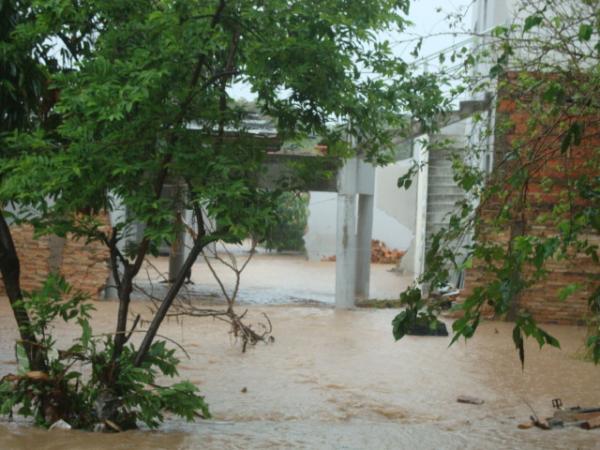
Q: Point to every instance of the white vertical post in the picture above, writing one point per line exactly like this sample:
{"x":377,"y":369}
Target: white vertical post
{"x":345,"y":266}
{"x":363,"y":245}
{"x":422,"y":157}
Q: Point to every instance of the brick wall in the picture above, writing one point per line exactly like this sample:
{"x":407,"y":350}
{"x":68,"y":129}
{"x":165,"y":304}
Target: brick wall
{"x":542,"y":300}
{"x":83,"y":265}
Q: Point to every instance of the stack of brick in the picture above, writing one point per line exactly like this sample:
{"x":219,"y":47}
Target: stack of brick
{"x":84,"y":266}
{"x":380,"y":254}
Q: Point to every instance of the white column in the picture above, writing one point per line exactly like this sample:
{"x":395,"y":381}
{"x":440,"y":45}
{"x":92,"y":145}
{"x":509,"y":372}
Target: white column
{"x":422,"y":156}
{"x":353,"y":247}
{"x":363,"y":245}
{"x":345,"y":266}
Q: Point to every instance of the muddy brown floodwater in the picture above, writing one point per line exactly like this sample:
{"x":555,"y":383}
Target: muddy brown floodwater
{"x":336,"y":380}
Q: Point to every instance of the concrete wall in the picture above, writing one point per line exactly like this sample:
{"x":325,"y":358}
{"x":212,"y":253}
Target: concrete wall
{"x":490,"y":13}
{"x":319,"y":238}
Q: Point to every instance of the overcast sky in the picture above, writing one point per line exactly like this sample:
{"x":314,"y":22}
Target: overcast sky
{"x":427,"y":22}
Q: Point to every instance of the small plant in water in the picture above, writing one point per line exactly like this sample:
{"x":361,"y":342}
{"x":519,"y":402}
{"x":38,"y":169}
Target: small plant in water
{"x":75,"y":383}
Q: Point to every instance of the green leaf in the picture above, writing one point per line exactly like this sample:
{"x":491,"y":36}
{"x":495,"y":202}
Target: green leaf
{"x":531,"y":22}
{"x":22,"y":359}
{"x":572,"y":136}
{"x":593,"y":345}
{"x":565,"y":292}
{"x":86,"y":332}
{"x":554,"y":93}
{"x":585,"y":31}
{"x":400,"y":325}
{"x":499,"y":31}
{"x":517,"y":336}
{"x":551,"y":340}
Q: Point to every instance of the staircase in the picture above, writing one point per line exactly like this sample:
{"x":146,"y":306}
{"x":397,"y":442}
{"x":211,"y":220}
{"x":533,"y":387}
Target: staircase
{"x":442,"y":191}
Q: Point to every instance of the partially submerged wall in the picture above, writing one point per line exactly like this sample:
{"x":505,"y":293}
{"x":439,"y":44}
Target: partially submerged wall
{"x":543,"y":300}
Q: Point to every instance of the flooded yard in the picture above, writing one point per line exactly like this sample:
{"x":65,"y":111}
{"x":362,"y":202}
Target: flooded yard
{"x":262,"y":280}
{"x":337,"y":380}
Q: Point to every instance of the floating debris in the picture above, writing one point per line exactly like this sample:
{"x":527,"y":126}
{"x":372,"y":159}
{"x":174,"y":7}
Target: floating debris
{"x":470,"y":400}
{"x":575,"y":416}
{"x":60,"y":425}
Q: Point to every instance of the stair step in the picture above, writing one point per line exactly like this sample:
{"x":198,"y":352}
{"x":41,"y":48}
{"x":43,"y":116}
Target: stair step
{"x":448,"y":189}
{"x":438,"y":166}
{"x":440,"y":179}
{"x":439,"y":216}
{"x":441,"y":172}
{"x":441,"y":156}
{"x":455,"y":193}
{"x":450,"y":143}
{"x":438,"y":203}
{"x":445,"y":153}
{"x":435,"y":227}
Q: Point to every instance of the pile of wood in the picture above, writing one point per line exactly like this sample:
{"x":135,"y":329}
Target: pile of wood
{"x":380,"y":254}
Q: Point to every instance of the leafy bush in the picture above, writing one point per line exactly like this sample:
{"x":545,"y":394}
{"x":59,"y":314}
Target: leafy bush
{"x":290,"y":225}
{"x":86,"y":397}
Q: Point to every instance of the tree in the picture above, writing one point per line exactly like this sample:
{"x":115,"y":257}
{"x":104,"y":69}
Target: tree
{"x":22,"y":92}
{"x":538,"y":209}
{"x":144,"y":100}
{"x":292,"y":217}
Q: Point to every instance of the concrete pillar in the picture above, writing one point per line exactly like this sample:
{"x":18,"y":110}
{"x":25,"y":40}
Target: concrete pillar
{"x":353,"y":242}
{"x":421,"y":155}
{"x":364,"y":234}
{"x":345,"y":266}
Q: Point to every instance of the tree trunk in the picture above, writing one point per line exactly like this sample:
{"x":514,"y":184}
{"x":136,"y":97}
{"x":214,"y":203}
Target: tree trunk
{"x":10,"y":269}
{"x":125,"y":289}
{"x":168,"y":301}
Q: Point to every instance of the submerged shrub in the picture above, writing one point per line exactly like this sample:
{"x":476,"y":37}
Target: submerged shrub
{"x":81,"y":384}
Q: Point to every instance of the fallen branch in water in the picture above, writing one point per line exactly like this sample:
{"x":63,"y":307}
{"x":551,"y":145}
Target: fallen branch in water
{"x":184,"y":306}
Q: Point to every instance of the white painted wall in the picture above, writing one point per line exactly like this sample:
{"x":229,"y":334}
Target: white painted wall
{"x":319,"y":238}
{"x":394,"y":221}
